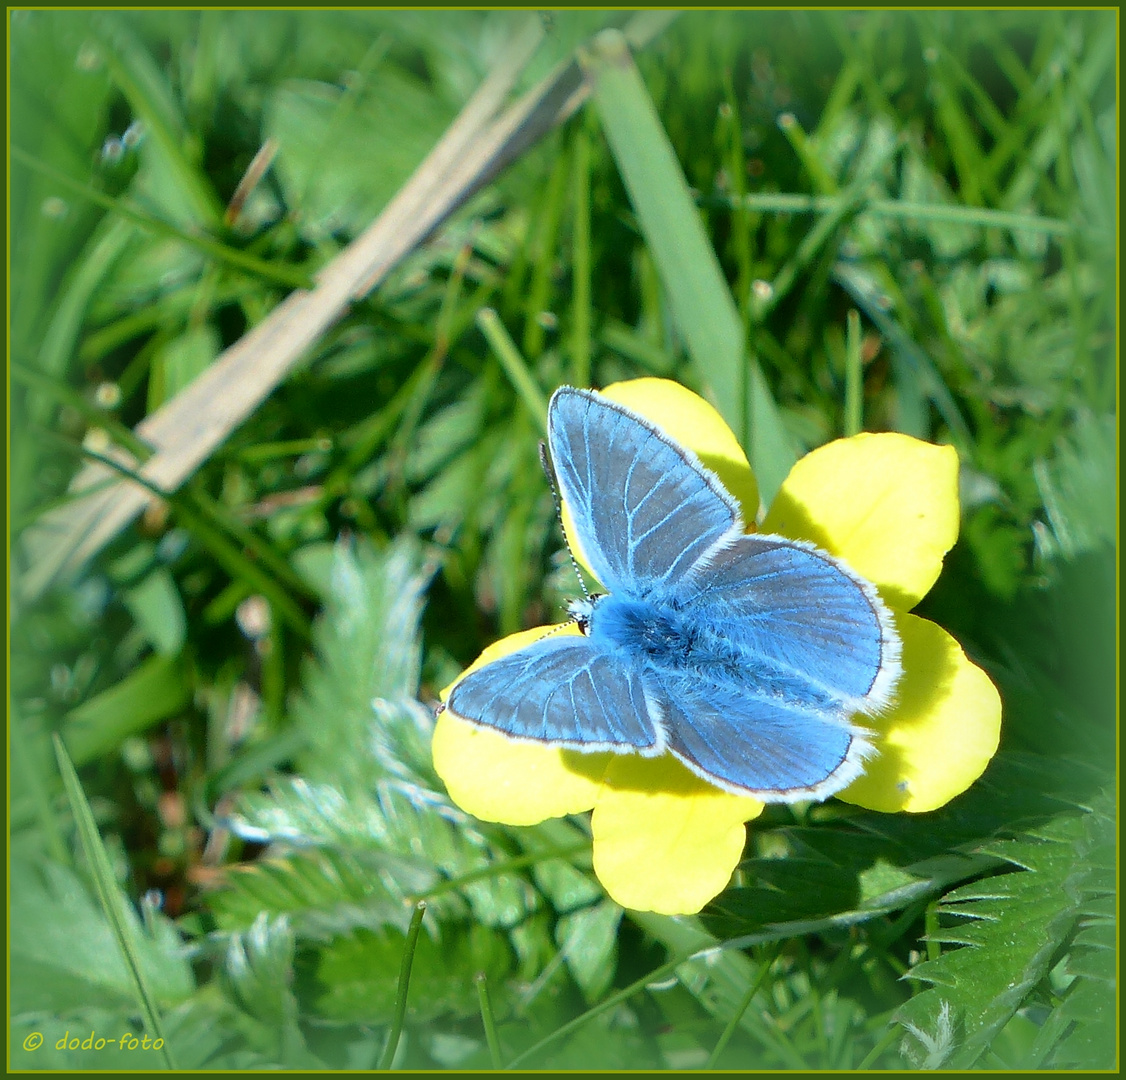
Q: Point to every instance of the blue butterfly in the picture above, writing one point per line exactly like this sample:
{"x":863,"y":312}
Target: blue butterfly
{"x":744,"y":655}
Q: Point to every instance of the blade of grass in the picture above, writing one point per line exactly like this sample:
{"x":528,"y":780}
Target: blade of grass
{"x":736,"y":1017}
{"x":597,"y":1010}
{"x":730,"y":140}
{"x":896,"y":208}
{"x":807,"y":154}
{"x":153,"y":691}
{"x":113,"y":902}
{"x":506,"y":866}
{"x":515,"y":366}
{"x":965,"y":150}
{"x":487,"y":1020}
{"x":95,"y":416}
{"x":854,"y":377}
{"x":403,"y":989}
{"x":290,"y":277}
{"x":716,"y":975}
{"x":581,"y":259}
{"x":893,"y":1032}
{"x":227,"y":554}
{"x":702,"y":306}
{"x":1035,"y":161}
{"x":101,"y":254}
{"x":916,"y":377}
{"x":32,"y":774}
{"x":132,"y":67}
{"x":538,"y":295}
{"x":828,"y":228}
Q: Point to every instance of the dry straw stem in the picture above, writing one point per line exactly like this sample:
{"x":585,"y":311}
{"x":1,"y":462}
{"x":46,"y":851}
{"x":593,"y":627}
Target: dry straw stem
{"x":183,"y":433}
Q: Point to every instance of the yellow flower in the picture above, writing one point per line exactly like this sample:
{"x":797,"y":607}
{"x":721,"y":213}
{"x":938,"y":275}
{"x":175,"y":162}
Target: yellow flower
{"x":665,"y":840}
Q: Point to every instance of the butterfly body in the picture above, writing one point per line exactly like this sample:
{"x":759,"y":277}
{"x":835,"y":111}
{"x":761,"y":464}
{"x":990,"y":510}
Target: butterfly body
{"x":670,"y":644}
{"x":744,"y":655}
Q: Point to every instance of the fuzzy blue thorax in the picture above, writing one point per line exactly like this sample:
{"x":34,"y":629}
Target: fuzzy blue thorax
{"x":678,"y":643}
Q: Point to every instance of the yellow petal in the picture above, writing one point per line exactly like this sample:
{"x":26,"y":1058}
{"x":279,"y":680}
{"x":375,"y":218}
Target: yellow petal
{"x":941,"y":732}
{"x":664,"y":840}
{"x":495,"y":778}
{"x":887,"y":504}
{"x":508,"y":645}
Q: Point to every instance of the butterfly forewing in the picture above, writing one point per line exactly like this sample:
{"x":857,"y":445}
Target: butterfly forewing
{"x":644,"y":510}
{"x":562,"y":690}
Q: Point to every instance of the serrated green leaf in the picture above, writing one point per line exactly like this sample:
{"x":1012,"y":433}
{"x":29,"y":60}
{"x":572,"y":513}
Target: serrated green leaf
{"x":356,"y":973}
{"x":367,"y":649}
{"x":588,"y":942}
{"x":1015,"y":925}
{"x":64,"y":954}
{"x":259,"y":967}
{"x":1073,"y":487}
{"x":326,"y":892}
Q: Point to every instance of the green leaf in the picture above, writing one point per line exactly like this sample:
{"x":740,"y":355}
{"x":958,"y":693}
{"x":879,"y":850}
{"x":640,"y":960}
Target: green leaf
{"x":64,"y":954}
{"x":1015,"y":924}
{"x":154,"y":691}
{"x":179,"y":362}
{"x":367,"y":648}
{"x":58,"y":93}
{"x":156,"y":605}
{"x":169,"y":175}
{"x":325,"y":892}
{"x":1073,"y":487}
{"x":441,"y":976}
{"x":588,"y":941}
{"x":367,"y":794}
{"x":259,"y":967}
{"x":1090,"y":1002}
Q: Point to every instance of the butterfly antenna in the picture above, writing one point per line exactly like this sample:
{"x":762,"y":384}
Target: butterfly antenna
{"x":549,"y":472}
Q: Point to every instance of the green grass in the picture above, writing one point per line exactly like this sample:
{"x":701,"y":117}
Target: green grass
{"x":827,"y":223}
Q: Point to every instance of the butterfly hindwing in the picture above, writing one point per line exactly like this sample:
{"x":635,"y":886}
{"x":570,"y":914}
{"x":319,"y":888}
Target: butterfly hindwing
{"x":563,"y":690}
{"x":752,"y":745}
{"x":644,"y":509}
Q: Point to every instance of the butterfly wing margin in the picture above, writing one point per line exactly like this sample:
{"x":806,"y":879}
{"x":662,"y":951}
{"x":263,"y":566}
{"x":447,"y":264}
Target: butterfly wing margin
{"x":645,"y":509}
{"x":790,"y":604}
{"x":564,"y":691}
{"x":771,"y":750}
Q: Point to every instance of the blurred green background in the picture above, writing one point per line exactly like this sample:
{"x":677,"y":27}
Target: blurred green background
{"x":948,"y":176}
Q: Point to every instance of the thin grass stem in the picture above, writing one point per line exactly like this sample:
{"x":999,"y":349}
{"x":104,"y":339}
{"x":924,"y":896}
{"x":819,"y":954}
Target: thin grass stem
{"x":581,"y":261}
{"x":515,"y":366}
{"x":782,"y":203}
{"x":113,"y":903}
{"x":396,"y":1031}
{"x":733,"y":1024}
{"x":289,"y":277}
{"x":885,"y":1041}
{"x":854,"y":377}
{"x":488,"y":1020}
